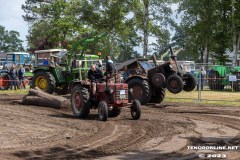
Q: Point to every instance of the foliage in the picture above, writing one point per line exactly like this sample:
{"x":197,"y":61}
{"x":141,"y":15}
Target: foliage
{"x":208,"y":31}
{"x":9,"y":41}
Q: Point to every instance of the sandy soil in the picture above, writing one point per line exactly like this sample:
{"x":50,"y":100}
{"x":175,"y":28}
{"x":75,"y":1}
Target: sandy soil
{"x":163,"y":132}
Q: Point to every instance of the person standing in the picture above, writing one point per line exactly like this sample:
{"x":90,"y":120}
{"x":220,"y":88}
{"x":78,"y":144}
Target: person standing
{"x":110,"y":67}
{"x":21,"y":75}
{"x":13,"y":77}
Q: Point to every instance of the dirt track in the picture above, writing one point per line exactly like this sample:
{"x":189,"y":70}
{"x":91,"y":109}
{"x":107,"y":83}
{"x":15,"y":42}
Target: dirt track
{"x":163,"y":132}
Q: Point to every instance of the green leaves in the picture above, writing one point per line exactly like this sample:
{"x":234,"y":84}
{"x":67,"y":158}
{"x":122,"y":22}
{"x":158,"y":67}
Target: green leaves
{"x":9,"y":41}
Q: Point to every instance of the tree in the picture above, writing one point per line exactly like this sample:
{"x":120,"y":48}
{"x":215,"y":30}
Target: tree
{"x":53,"y":19}
{"x":235,"y":18}
{"x":9,"y":40}
{"x":104,"y":16}
{"x":213,"y":27}
{"x":151,"y":16}
{"x":3,"y":36}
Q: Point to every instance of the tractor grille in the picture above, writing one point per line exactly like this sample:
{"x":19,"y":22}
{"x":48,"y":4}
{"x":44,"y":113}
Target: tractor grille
{"x":121,"y":94}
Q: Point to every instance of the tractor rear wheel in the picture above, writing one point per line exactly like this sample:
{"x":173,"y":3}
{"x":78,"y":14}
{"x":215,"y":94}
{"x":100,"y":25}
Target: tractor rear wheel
{"x":80,"y":102}
{"x":4,"y":81}
{"x":114,"y":112}
{"x":136,"y":110}
{"x":102,"y":111}
{"x":139,"y":89}
{"x":45,"y":81}
{"x":189,"y":82}
{"x":158,"y":96}
{"x":174,"y":84}
{"x":236,"y":84}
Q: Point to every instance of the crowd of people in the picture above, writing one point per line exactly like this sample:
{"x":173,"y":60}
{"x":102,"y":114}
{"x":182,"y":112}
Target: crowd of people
{"x":17,"y":77}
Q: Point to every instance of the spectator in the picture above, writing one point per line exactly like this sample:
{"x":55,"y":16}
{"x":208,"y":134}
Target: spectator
{"x":110,"y":67}
{"x":13,"y":77}
{"x":21,"y":75}
{"x":201,"y":78}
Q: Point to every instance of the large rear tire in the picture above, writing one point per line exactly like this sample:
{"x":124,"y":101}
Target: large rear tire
{"x":139,"y":89}
{"x":80,"y":102}
{"x":189,"y":82}
{"x":4,"y":81}
{"x":45,"y":81}
{"x":174,"y":84}
{"x":158,"y":96}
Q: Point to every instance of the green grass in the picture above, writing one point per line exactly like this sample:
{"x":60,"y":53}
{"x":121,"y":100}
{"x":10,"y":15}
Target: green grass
{"x":223,"y":98}
{"x":18,"y":91}
{"x":219,"y":98}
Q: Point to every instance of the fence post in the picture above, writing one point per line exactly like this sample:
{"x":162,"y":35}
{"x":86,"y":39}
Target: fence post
{"x":199,"y":85}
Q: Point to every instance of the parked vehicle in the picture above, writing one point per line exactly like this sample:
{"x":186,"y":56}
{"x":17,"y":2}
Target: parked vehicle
{"x":219,"y":77}
{"x":55,"y":68}
{"x":18,"y":58}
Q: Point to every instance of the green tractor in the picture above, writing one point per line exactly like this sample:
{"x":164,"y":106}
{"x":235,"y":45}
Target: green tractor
{"x":54,"y":68}
{"x":218,"y":77}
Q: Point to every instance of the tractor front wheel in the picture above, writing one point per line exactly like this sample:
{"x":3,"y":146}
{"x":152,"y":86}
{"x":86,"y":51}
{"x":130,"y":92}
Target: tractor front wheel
{"x":102,"y":111}
{"x":136,"y":110}
{"x":174,"y":84}
{"x":45,"y":81}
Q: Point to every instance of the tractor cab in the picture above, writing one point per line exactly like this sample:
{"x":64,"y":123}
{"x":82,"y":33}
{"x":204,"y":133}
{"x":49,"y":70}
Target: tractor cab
{"x":50,"y":58}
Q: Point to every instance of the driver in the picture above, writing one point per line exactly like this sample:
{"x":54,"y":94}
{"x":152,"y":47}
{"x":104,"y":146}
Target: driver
{"x":94,"y":74}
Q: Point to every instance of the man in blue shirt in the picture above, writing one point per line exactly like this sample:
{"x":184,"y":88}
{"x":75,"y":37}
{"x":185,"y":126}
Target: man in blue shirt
{"x":21,"y":75}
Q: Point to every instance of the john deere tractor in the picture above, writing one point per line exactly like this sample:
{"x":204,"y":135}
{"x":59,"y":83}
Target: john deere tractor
{"x":219,"y":77}
{"x":147,"y":83}
{"x":55,"y":68}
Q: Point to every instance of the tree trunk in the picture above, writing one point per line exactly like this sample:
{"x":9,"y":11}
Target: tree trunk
{"x":39,"y":98}
{"x":112,"y":41}
{"x":234,"y":49}
{"x":145,"y":27}
{"x":238,"y":45}
{"x":206,"y":52}
{"x":202,"y":54}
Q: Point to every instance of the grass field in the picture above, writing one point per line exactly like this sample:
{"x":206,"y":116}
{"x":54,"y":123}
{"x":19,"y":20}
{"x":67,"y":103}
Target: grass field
{"x":18,"y":91}
{"x":208,"y":97}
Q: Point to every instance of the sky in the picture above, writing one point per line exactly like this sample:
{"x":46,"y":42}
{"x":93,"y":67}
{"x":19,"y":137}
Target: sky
{"x":11,"y":18}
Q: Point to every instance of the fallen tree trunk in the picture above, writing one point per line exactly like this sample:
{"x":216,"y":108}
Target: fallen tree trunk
{"x":39,"y":98}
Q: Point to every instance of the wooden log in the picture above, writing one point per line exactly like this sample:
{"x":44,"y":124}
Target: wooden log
{"x":39,"y":98}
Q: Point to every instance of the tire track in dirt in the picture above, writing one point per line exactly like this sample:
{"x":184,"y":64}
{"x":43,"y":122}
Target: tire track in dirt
{"x":44,"y":133}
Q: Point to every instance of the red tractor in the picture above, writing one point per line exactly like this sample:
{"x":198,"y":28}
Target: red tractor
{"x":109,"y":98}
